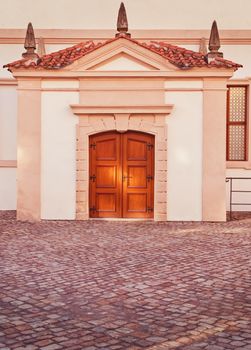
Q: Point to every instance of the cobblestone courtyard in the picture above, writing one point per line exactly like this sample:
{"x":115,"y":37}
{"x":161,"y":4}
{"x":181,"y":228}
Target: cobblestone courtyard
{"x":125,"y":285}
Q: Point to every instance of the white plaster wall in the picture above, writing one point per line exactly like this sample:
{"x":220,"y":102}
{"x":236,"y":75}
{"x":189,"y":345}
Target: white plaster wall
{"x":8,"y":189}
{"x":184,"y":195}
{"x":8,"y":123}
{"x":9,"y":53}
{"x":141,"y":13}
{"x":240,"y":54}
{"x":58,"y":182}
{"x":245,"y":185}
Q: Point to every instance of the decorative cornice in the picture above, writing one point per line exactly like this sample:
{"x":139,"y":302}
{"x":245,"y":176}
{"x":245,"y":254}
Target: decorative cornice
{"x":64,"y":74}
{"x":83,"y":110}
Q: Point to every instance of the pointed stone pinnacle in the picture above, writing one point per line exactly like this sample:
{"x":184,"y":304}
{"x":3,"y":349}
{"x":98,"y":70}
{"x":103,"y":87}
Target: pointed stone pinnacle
{"x":122,"y":23}
{"x":214,"y":40}
{"x":214,"y":43}
{"x":30,"y":43}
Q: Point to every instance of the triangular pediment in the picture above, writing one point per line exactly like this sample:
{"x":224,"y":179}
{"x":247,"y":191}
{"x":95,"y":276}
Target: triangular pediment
{"x":123,"y":62}
{"x":121,"y":55}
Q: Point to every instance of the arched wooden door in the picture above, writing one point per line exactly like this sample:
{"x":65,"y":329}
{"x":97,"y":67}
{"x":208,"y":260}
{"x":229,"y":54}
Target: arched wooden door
{"x":121,"y":175}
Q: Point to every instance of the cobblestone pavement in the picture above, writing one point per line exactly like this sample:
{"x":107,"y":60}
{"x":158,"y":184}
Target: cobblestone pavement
{"x":125,"y":285}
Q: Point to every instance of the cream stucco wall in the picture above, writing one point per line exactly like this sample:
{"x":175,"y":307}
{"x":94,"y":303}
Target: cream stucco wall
{"x":9,"y":52}
{"x":58,"y":180}
{"x":8,"y":144}
{"x":184,"y":152}
{"x":8,"y":189}
{"x":8,"y":123}
{"x":142,"y":14}
{"x":240,"y":54}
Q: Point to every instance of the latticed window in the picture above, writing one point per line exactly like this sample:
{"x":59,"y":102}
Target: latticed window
{"x":237,"y":122}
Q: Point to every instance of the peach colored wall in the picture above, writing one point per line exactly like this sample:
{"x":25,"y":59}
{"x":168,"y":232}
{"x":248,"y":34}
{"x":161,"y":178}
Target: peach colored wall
{"x":214,"y":149}
{"x":29,"y":150}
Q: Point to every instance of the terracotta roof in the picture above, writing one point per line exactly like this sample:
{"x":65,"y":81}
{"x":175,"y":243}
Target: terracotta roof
{"x":178,"y":56}
{"x":185,"y":59}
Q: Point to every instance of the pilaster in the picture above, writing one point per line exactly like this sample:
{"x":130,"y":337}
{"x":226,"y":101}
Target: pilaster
{"x":29,"y":150}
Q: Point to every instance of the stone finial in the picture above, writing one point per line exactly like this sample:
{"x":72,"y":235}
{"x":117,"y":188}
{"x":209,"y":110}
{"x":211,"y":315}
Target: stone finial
{"x":122,"y":23}
{"x":41,"y":47}
{"x":30,"y":43}
{"x":203,"y":46}
{"x":214,"y":42}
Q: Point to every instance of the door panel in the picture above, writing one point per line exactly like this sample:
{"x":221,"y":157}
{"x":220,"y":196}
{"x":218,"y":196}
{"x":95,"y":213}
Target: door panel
{"x":136,"y":149}
{"x":137,"y":166}
{"x":106,"y":202}
{"x":137,"y":177}
{"x":136,"y":202}
{"x":105,"y":175}
{"x":106,"y":149}
{"x":121,"y":175}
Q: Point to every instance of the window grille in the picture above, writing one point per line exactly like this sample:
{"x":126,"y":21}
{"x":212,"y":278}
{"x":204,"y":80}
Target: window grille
{"x":237,"y":122}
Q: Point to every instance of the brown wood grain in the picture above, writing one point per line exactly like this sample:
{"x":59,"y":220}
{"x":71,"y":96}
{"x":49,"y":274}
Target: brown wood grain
{"x":121,"y":175}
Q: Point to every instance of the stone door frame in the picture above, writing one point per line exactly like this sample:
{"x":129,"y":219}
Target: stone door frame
{"x":93,"y":120}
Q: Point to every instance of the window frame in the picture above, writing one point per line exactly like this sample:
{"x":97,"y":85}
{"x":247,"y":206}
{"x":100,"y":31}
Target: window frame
{"x":245,"y":123}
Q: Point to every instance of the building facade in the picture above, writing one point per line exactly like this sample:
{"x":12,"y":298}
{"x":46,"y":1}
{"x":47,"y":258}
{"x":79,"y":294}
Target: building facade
{"x":123,"y":124}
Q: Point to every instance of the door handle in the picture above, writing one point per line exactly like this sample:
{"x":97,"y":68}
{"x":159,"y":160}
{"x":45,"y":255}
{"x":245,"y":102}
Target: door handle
{"x":126,"y":177}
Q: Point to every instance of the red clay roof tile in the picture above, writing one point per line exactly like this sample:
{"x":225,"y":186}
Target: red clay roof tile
{"x":178,"y":56}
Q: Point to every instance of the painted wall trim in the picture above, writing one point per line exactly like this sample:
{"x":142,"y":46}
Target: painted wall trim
{"x":178,"y":36}
{"x":214,"y":150}
{"x":8,"y":163}
{"x":239,"y":165}
{"x":8,"y":81}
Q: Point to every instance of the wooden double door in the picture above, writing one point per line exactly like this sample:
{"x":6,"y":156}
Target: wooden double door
{"x":121,"y":175}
